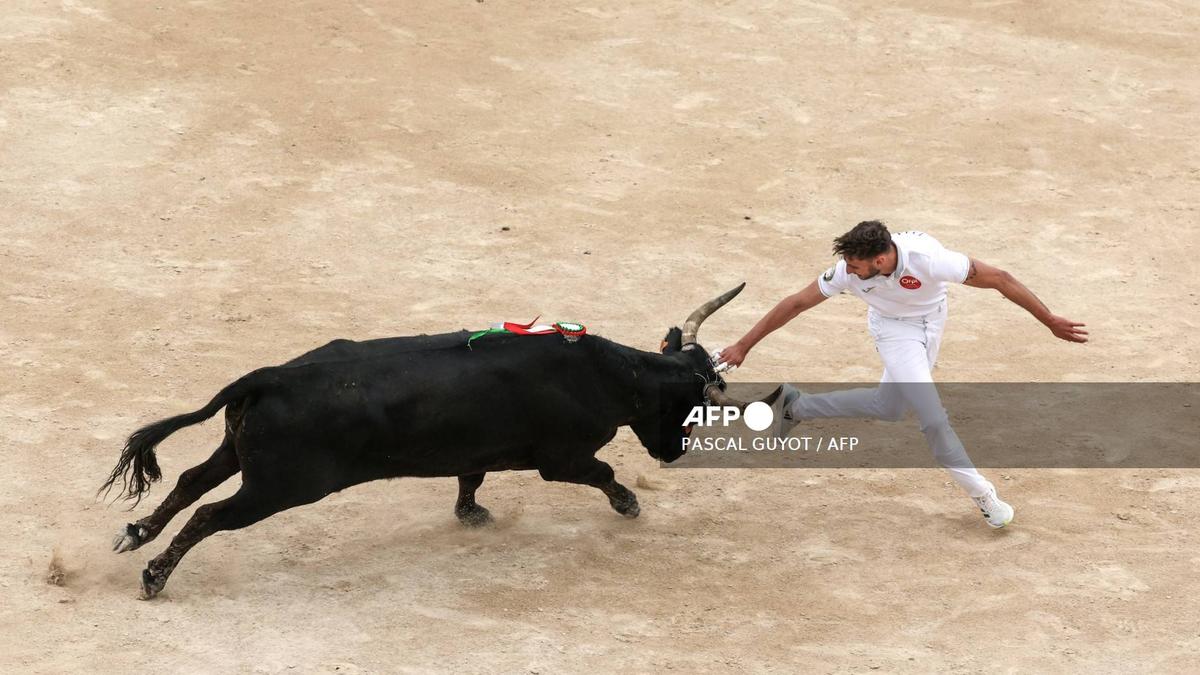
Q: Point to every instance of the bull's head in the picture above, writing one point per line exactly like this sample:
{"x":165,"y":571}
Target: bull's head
{"x":696,"y":383}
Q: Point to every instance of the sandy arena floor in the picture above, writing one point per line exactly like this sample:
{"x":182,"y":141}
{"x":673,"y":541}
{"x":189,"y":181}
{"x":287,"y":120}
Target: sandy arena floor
{"x":192,"y":190}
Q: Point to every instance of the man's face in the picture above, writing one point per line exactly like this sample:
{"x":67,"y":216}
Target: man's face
{"x":864,"y":268}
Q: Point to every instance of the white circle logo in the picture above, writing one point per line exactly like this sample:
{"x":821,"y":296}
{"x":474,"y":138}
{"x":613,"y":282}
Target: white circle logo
{"x":758,"y":416}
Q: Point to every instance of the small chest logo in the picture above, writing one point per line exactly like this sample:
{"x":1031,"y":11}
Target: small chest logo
{"x":910,"y":282}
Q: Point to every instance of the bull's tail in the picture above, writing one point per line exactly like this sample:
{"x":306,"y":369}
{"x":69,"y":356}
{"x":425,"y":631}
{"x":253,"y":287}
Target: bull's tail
{"x":138,"y":466}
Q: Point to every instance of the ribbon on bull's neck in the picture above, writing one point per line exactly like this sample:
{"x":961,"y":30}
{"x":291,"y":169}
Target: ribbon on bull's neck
{"x":571,"y":331}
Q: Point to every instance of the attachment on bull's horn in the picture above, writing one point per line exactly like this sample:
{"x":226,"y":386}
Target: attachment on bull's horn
{"x":718,"y":366}
{"x":714,"y":393}
{"x":692,"y":326}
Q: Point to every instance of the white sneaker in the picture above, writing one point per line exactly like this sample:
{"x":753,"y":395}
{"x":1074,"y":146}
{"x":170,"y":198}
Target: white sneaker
{"x":995,"y":512}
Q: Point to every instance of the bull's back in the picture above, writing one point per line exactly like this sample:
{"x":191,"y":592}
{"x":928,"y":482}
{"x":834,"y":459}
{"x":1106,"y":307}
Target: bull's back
{"x":342,"y":349}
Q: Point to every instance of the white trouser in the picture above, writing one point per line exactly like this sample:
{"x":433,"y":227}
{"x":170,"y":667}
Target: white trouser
{"x":909,"y":349}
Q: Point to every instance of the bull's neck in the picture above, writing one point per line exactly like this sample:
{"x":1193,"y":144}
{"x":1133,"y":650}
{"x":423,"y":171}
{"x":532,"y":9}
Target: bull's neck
{"x":640,"y":375}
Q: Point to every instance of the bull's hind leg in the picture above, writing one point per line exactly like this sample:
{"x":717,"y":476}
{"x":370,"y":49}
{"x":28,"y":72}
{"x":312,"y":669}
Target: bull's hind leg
{"x":192,"y":485}
{"x":468,"y":512}
{"x":250,"y":504}
{"x":598,"y":474}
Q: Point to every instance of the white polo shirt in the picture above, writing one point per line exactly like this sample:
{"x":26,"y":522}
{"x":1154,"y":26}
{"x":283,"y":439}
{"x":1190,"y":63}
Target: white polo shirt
{"x":915,"y":288}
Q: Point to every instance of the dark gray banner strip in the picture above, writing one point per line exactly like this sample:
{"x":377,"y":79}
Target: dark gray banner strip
{"x":1031,"y":425}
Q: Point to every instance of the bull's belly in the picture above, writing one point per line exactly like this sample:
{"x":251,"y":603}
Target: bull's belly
{"x":444,"y":462}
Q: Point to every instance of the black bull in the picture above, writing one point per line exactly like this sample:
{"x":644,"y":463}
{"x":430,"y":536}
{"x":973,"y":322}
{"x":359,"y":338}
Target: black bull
{"x":351,"y":412}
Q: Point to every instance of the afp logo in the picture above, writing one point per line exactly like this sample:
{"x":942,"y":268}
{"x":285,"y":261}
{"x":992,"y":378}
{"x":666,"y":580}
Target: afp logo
{"x":758,"y":416}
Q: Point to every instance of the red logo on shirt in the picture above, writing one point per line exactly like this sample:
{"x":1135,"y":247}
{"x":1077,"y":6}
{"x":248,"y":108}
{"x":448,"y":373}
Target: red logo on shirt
{"x":909,"y":282}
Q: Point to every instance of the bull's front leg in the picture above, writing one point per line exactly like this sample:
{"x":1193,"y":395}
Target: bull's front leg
{"x":469,"y":513}
{"x":598,"y":474}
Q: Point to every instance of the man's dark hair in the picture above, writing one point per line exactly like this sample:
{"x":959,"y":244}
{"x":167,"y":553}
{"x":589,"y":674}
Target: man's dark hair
{"x":868,"y":239}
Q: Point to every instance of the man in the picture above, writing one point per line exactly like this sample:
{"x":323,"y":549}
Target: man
{"x":903,"y":279}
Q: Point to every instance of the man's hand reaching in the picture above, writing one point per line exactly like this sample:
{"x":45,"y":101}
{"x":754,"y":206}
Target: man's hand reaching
{"x":1065,"y":329}
{"x":733,"y":355}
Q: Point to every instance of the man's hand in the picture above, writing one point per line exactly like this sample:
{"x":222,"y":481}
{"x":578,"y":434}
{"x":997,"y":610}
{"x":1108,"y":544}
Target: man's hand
{"x":1065,"y":329}
{"x":734,"y":354}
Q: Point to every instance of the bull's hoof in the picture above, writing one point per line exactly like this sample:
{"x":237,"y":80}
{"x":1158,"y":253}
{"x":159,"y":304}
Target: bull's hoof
{"x":151,"y":585}
{"x":627,"y":506}
{"x":130,"y":538}
{"x":476,"y":516}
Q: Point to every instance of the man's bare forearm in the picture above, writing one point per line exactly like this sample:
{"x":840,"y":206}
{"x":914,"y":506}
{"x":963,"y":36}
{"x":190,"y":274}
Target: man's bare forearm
{"x":1011,"y":288}
{"x":783,"y":312}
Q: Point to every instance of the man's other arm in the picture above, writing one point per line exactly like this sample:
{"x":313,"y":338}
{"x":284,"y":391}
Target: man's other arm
{"x":983,"y":275}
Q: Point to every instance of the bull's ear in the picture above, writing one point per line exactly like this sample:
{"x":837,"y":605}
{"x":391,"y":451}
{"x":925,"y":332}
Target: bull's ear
{"x":673,"y":341}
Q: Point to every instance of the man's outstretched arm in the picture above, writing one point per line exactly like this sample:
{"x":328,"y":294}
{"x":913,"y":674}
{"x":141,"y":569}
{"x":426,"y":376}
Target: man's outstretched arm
{"x":983,"y":275}
{"x":786,"y":310}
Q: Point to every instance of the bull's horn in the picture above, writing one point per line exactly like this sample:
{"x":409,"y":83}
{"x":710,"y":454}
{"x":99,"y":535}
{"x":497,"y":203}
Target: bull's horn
{"x":714,"y":393}
{"x":692,"y":325}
